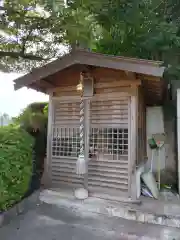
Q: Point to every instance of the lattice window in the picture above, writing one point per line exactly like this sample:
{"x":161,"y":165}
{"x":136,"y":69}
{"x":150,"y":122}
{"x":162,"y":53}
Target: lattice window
{"x":65,"y":142}
{"x":112,"y":141}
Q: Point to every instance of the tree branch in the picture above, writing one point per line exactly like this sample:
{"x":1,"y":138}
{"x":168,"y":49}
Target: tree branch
{"x":22,"y":55}
{"x":24,"y":40}
{"x":11,"y":11}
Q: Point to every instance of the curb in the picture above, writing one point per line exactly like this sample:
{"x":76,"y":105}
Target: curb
{"x":143,"y":216}
{"x":97,"y":206}
{"x":20,"y":208}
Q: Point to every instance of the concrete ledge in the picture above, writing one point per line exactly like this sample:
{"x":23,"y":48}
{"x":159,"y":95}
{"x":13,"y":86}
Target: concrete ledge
{"x":19,"y":208}
{"x":109,"y":208}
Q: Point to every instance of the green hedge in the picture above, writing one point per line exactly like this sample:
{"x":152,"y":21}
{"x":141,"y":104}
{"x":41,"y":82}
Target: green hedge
{"x":15,"y":164}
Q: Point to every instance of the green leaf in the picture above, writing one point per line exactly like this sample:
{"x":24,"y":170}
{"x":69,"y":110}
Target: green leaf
{"x":15,"y":164}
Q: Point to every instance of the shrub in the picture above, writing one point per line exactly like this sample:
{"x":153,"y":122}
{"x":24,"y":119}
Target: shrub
{"x":33,"y":119}
{"x":34,"y":116}
{"x":15,"y":164}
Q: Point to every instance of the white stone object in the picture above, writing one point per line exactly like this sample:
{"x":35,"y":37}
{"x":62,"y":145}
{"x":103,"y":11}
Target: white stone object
{"x":81,"y":193}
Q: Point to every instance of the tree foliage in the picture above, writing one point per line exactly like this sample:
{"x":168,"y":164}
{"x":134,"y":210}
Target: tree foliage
{"x":143,"y":28}
{"x":37,"y":30}
{"x":32,"y":34}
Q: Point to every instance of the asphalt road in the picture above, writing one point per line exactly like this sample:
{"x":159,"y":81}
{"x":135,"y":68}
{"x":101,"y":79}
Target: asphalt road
{"x":49,"y":222}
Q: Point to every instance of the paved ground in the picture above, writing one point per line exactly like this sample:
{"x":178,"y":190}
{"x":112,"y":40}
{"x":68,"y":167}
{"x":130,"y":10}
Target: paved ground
{"x":49,"y":222}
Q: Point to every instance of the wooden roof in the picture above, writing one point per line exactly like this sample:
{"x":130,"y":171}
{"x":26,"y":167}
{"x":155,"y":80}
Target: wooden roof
{"x":83,"y":57}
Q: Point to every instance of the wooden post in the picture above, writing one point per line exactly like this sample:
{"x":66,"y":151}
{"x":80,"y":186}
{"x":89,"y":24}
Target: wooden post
{"x":178,"y":135}
{"x":87,"y":95}
{"x":48,"y":169}
{"x":133,"y":146}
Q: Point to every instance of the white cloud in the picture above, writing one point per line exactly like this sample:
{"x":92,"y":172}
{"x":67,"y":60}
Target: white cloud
{"x":12,"y":102}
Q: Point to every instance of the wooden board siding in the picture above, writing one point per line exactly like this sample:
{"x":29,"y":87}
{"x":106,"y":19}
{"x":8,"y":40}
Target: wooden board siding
{"x":65,"y":148}
{"x":109,"y":112}
{"x":64,"y":172}
{"x":66,"y":82}
{"x":154,"y":91}
{"x":67,"y":114}
{"x":109,"y":169}
{"x":108,"y":74}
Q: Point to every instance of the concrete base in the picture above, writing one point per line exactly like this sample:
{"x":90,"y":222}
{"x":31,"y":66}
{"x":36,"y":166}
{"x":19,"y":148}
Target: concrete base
{"x":154,"y":211}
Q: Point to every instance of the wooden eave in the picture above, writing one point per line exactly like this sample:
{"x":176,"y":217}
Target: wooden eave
{"x":39,"y":78}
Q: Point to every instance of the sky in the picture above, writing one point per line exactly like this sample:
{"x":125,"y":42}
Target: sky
{"x":12,"y":102}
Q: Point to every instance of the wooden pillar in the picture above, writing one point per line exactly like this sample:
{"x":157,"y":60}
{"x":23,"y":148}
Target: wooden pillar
{"x":48,"y":169}
{"x":133,"y":145}
{"x":88,"y":82}
{"x":178,"y":135}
